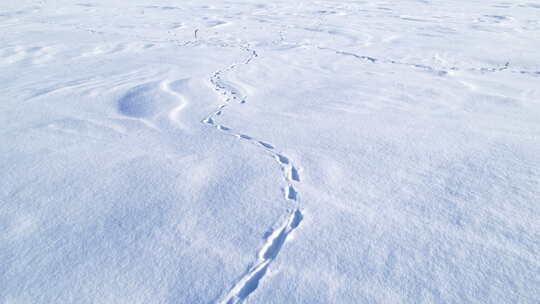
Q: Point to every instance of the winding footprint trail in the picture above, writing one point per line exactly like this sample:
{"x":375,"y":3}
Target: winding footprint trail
{"x":441,"y":71}
{"x":250,"y":280}
{"x":231,"y":95}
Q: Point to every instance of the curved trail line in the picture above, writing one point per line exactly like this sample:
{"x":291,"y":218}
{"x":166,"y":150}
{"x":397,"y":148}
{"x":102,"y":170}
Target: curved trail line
{"x":230,"y":95}
{"x":268,"y":253}
{"x":440,"y":71}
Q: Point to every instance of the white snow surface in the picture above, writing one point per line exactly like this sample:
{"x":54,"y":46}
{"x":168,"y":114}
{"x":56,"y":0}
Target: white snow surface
{"x":202,"y":151}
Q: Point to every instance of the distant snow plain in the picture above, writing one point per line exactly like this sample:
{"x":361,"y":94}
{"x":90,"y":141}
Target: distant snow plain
{"x":269,"y":152}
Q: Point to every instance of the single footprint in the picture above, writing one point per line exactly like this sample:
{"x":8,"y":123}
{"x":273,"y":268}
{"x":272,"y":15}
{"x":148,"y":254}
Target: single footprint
{"x":245,"y":137}
{"x":291,"y":193}
{"x":266,"y":145}
{"x":294,"y":174}
{"x":282,"y":159}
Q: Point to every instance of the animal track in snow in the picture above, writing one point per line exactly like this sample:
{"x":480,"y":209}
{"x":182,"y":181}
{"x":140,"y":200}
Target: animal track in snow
{"x":249,"y":282}
{"x":266,"y":145}
{"x":245,"y":137}
{"x":291,"y":193}
{"x":294,"y":174}
{"x":282,"y":159}
{"x":230,"y":95}
{"x":440,"y":71}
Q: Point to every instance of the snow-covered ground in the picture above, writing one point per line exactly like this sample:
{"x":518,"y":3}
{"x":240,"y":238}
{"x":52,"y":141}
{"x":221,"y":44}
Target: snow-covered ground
{"x":187,"y":151}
